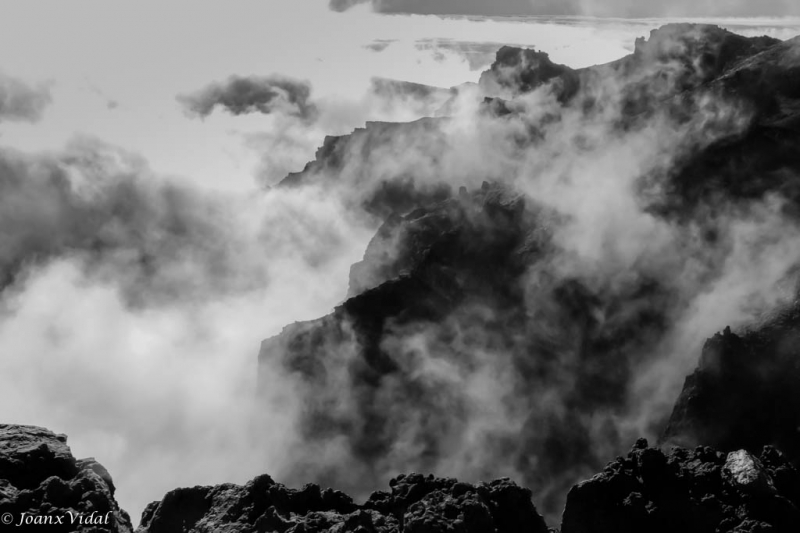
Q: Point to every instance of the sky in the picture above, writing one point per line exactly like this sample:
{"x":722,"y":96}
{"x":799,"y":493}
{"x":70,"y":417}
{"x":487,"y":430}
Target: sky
{"x":133,"y":105}
{"x":597,"y":8}
{"x":114,"y":69}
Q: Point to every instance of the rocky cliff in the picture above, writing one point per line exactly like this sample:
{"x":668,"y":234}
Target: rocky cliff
{"x":744,"y":392}
{"x":44,"y":488}
{"x":469,"y":289}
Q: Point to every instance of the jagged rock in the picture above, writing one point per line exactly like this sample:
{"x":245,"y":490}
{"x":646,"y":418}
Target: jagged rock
{"x":43,"y":487}
{"x":677,"y":71}
{"x":358,"y":158}
{"x":415,"y":504}
{"x":452,"y":280}
{"x":517,"y":71}
{"x":744,"y":393}
{"x":696,"y":491}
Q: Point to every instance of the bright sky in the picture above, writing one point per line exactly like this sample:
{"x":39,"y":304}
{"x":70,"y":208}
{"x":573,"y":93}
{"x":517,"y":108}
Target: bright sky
{"x":116,"y":67}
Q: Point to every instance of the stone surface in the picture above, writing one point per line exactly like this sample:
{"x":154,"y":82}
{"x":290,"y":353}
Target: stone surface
{"x":415,"y":504}
{"x":744,"y":392}
{"x":695,"y":491}
{"x":42,"y":483}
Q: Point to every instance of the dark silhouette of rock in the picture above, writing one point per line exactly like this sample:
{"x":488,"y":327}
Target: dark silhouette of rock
{"x":358,"y":157}
{"x":677,"y":71}
{"x":696,"y":491}
{"x":44,"y":488}
{"x":415,"y":504}
{"x":744,"y":392}
{"x":462,"y":278}
{"x":518,"y":70}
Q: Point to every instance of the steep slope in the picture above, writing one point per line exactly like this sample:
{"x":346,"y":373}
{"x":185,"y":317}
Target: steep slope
{"x":470,"y":342}
{"x":744,"y":392}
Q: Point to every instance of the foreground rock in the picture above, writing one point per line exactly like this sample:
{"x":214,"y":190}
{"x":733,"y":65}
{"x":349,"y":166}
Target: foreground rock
{"x":689,"y":491}
{"x":416,"y":504}
{"x":44,"y":488}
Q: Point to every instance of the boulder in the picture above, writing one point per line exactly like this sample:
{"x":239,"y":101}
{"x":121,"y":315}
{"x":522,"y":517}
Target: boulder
{"x":43,"y":487}
{"x":414,"y":504}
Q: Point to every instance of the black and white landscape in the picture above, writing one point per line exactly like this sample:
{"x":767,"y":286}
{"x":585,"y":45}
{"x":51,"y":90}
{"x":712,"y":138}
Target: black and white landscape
{"x":400,"y":266}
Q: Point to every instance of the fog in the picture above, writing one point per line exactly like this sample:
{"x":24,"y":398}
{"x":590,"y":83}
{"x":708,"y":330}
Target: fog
{"x":146,"y":250}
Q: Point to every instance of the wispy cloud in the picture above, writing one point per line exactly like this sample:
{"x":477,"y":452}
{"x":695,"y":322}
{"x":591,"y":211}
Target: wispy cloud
{"x":20,"y":101}
{"x":604,"y":8}
{"x":253,"y":94}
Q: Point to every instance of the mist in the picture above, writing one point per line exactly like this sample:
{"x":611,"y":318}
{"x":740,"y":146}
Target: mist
{"x":134,"y":294}
{"x":132,"y":309}
{"x":20,"y":101}
{"x":617,"y":301}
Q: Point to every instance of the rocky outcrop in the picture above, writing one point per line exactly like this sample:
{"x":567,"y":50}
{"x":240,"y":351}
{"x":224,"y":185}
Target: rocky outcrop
{"x":696,"y":491}
{"x":415,"y":504}
{"x":744,"y":393}
{"x":359,"y":159}
{"x":43,"y":487}
{"x":518,"y":71}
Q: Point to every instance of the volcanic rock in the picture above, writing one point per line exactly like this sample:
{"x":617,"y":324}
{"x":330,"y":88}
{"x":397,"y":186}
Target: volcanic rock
{"x":415,"y":504}
{"x":744,"y":393}
{"x":696,"y":491}
{"x":40,"y":477}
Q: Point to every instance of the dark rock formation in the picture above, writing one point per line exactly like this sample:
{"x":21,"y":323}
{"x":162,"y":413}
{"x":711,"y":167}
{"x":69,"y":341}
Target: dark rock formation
{"x":415,"y":504}
{"x":452,"y":274}
{"x":517,"y":71}
{"x":696,"y":491}
{"x":465,"y":280}
{"x":677,"y":71}
{"x":359,"y":159}
{"x":44,"y":488}
{"x":744,"y":393}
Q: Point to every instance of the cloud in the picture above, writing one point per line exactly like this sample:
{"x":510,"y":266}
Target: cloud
{"x":379,"y":45}
{"x":21,"y":102}
{"x":132,"y":306}
{"x":249,"y":94}
{"x":344,"y":5}
{"x":477,"y":54}
{"x":603,"y":8}
{"x":102,"y":206}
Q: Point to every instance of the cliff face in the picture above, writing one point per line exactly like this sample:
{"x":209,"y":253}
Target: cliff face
{"x":744,"y":392}
{"x":466,"y":291}
{"x":43,"y":487}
